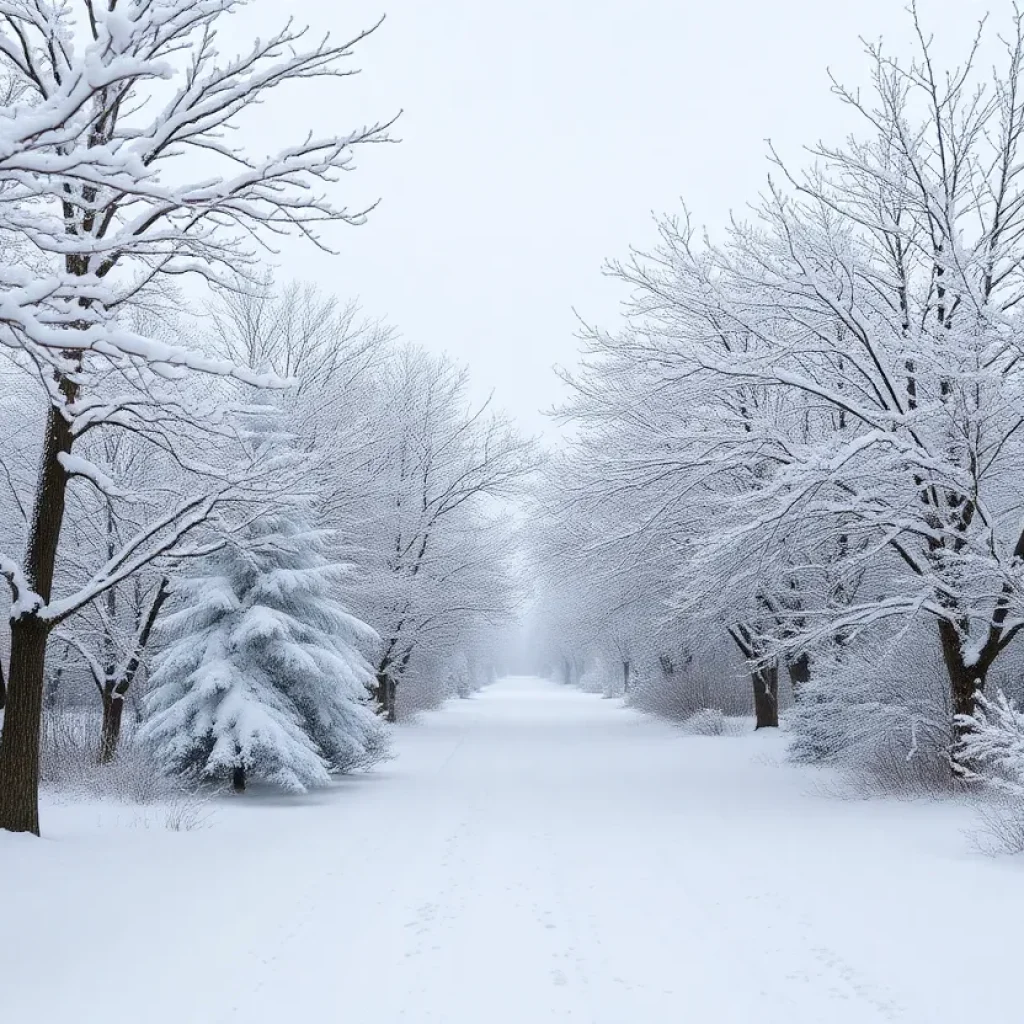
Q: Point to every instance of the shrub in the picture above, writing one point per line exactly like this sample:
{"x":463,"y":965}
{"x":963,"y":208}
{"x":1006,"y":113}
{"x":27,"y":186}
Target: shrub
{"x":881,"y":714}
{"x":712,"y":681}
{"x":69,"y":761}
{"x":708,"y":722}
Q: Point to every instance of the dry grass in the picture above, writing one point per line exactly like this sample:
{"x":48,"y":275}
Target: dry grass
{"x":69,"y":762}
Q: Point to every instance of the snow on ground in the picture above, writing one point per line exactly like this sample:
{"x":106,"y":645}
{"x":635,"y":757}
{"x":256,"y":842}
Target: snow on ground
{"x":534,"y":854}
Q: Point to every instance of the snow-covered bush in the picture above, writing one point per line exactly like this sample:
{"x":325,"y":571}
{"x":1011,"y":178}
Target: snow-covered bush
{"x":67,"y":749}
{"x":187,"y":811}
{"x":263,"y":677}
{"x":679,"y":689}
{"x":1001,"y":825}
{"x":432,"y":680}
{"x":460,"y":681}
{"x":709,"y":722}
{"x":991,"y":753}
{"x":991,"y":748}
{"x":882,"y":715}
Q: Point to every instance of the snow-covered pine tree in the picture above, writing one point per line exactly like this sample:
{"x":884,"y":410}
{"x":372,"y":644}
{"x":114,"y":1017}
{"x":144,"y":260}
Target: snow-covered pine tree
{"x":263,"y":677}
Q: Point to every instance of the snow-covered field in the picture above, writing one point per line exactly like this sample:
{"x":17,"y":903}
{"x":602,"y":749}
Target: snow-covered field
{"x":534,"y":854}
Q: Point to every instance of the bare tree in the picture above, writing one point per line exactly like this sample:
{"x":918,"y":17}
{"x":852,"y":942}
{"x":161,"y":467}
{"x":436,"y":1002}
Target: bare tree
{"x":297,"y":332}
{"x":431,"y":531}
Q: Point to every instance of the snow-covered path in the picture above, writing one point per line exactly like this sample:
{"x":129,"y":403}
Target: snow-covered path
{"x":534,"y":854}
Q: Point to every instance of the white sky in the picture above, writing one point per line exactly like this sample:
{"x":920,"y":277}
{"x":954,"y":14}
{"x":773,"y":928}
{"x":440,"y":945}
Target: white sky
{"x":539,"y":136}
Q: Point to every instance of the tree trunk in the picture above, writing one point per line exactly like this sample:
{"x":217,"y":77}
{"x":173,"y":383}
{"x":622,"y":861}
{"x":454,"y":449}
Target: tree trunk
{"x":3,"y":688}
{"x":799,"y":669}
{"x":238,"y":778}
{"x":115,"y":690}
{"x":625,"y":676}
{"x":391,"y":712}
{"x":766,"y":695}
{"x":383,"y":692}
{"x":965,"y":681}
{"x":19,"y":745}
{"x":566,"y":672}
{"x":110,"y":733}
{"x":392,"y":688}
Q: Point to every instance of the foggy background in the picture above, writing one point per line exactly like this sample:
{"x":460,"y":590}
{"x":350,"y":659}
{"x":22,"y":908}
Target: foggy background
{"x":538,"y":137}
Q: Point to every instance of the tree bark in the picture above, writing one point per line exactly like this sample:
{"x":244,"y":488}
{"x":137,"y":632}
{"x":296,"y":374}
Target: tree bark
{"x":799,"y":669}
{"x":384,"y":694}
{"x":19,"y":748}
{"x":381,"y":693}
{"x":3,"y":688}
{"x":110,"y":733}
{"x":965,"y":681}
{"x":766,"y":695}
{"x":19,"y":745}
{"x":238,"y":778}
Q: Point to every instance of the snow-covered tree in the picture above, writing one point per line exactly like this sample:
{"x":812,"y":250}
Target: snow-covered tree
{"x":410,"y":474}
{"x":297,"y":331}
{"x":422,"y":498}
{"x":818,"y":418}
{"x":264,"y":675}
{"x":118,"y":173}
{"x":879,"y":291}
{"x":614,"y":513}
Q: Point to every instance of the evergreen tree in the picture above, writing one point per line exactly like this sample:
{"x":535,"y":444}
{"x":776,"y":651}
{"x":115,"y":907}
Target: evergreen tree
{"x":263,"y":677}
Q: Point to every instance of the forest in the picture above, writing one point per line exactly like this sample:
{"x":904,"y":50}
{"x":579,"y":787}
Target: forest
{"x":240,"y":517}
{"x":244,"y":523}
{"x":329,"y":690}
{"x":795,"y":461}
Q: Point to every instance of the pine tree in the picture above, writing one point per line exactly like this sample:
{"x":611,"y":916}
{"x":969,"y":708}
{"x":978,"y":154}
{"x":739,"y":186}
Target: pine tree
{"x":263,"y":677}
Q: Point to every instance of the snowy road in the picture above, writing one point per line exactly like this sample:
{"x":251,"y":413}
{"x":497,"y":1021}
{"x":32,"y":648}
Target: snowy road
{"x":535,"y":854}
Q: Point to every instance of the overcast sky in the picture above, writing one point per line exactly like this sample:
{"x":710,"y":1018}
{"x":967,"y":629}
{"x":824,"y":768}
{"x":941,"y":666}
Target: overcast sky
{"x":539,"y":135}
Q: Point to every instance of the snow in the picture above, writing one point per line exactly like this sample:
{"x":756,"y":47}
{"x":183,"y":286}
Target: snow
{"x":533,"y":854}
{"x":75,"y":465}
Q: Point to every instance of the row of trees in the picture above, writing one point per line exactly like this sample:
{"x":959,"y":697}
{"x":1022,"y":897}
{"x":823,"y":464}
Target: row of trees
{"x":807,"y":441}
{"x":285,"y":478}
